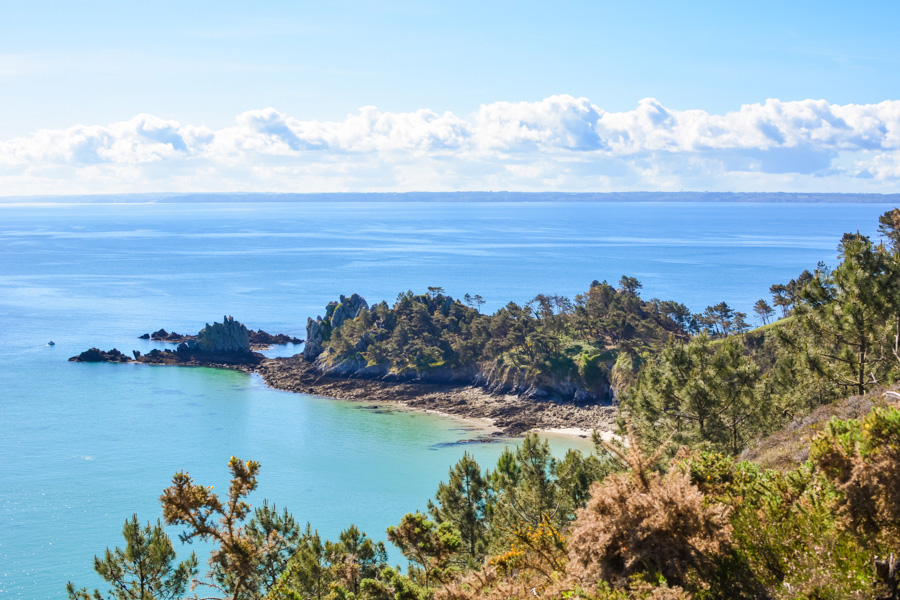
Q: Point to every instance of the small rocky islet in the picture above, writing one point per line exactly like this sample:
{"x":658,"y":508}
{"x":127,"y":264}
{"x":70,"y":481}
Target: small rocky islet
{"x":228,"y":344}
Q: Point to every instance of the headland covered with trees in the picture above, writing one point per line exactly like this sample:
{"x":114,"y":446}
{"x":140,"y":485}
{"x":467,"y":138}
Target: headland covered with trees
{"x":759,"y":463}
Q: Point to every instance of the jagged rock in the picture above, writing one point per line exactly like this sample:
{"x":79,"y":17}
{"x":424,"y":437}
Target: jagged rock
{"x":163,"y":357}
{"x":348,"y":308}
{"x":318,"y":331}
{"x":97,"y":355}
{"x":228,"y":336}
{"x":163,"y":336}
{"x":257,"y":338}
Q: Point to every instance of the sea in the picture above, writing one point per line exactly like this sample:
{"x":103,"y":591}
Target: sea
{"x":83,"y":447}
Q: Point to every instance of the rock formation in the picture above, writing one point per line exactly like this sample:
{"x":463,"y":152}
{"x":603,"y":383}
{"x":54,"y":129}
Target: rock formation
{"x":219,"y":344}
{"x":97,"y":355}
{"x":228,"y":336}
{"x":257,"y":338}
{"x":164,"y":336}
{"x":261,"y":338}
{"x":319,"y":331}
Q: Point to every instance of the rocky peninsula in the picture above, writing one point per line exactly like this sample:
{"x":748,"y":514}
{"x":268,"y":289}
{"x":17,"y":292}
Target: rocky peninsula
{"x":228,"y":345}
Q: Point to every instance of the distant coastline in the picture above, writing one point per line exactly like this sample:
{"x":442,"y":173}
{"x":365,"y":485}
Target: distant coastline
{"x":491,"y":197}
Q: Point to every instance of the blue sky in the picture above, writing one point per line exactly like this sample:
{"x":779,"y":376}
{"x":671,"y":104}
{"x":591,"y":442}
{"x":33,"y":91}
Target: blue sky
{"x":81,"y":72}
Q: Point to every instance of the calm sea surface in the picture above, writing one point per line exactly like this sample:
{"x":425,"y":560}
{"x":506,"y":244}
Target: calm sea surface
{"x":84,"y":446}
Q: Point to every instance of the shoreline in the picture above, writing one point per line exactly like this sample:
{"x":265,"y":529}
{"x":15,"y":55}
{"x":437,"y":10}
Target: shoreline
{"x":499,"y":415}
{"x":508,"y":415}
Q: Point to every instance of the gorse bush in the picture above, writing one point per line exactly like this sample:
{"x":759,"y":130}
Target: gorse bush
{"x":645,"y":522}
{"x":862,"y":459}
{"x":699,"y":525}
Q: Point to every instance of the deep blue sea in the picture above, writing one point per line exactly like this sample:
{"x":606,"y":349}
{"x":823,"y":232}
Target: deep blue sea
{"x":83,"y":446}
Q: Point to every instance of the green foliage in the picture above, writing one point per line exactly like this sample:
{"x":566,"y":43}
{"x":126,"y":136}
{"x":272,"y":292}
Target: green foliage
{"x":463,"y":502}
{"x":145,"y":570}
{"x":862,"y":459}
{"x":698,"y":392}
{"x":845,"y":317}
{"x":244,"y":557}
{"x":420,"y":334}
{"x":308,"y":573}
{"x":344,"y":569}
{"x":427,"y":545}
{"x":277,"y":535}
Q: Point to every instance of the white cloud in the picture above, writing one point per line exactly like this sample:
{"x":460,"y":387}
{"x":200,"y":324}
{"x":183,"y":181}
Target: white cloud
{"x":561,"y":143}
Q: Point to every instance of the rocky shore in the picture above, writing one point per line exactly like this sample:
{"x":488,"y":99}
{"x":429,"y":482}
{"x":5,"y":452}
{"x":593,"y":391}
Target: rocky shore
{"x":228,"y":345}
{"x":511,"y":414}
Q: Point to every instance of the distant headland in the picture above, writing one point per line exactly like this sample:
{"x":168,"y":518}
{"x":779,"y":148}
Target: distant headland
{"x":484,"y":196}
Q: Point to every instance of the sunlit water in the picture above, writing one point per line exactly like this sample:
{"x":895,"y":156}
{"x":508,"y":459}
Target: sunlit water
{"x":83,"y":446}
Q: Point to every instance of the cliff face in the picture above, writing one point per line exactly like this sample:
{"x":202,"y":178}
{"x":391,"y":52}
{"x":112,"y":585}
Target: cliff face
{"x":318,"y":331}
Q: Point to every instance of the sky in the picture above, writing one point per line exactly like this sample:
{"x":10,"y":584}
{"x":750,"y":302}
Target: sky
{"x":196,"y":96}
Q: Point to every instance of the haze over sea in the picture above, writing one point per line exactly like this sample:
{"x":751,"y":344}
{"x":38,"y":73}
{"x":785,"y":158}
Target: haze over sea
{"x":86,"y":445}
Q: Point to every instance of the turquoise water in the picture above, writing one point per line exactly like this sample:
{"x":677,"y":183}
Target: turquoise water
{"x":85,"y":446}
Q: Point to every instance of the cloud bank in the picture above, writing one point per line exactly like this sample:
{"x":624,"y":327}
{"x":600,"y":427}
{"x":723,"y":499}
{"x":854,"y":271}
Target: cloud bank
{"x":560,"y":143}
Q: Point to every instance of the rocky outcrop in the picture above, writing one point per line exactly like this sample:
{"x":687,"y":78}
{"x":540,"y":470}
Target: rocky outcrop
{"x":97,"y":355}
{"x":259,"y":338}
{"x":493,"y":377}
{"x":220,"y":344}
{"x":164,"y":336}
{"x":503,"y":380}
{"x":227,"y":336}
{"x":318,"y":331}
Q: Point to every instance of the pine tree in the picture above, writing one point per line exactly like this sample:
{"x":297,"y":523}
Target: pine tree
{"x":427,"y":545}
{"x":847,"y":314}
{"x":697,"y":392}
{"x":144,"y":570}
{"x":763,"y":310}
{"x":462,"y":502}
{"x":241,"y":563}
